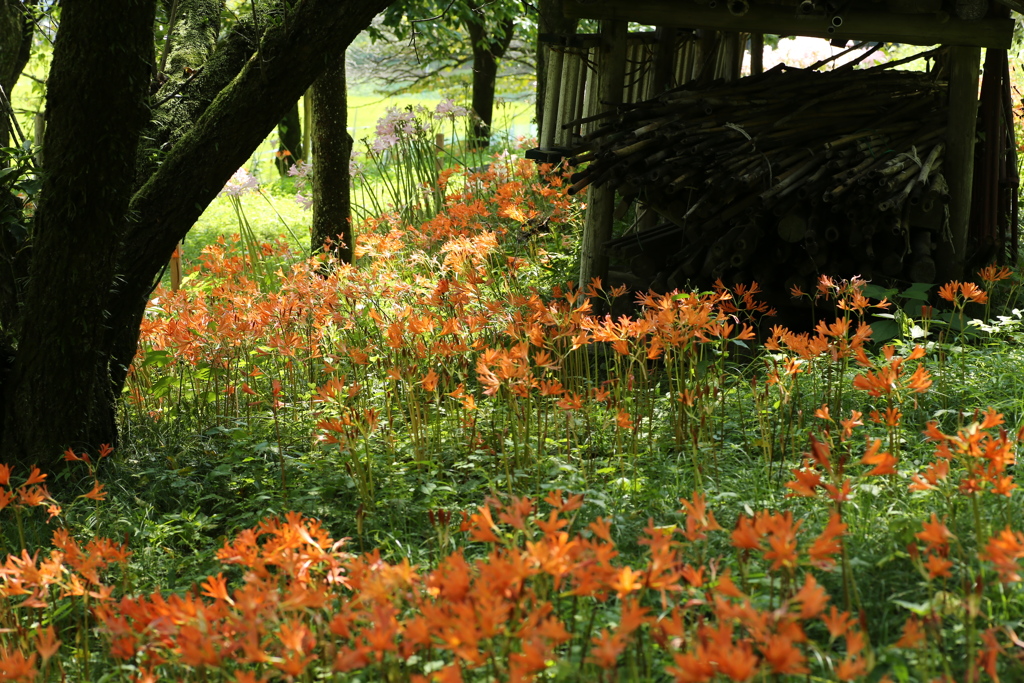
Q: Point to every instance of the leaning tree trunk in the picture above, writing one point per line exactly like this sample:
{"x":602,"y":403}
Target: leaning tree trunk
{"x":487,"y":50}
{"x":332,"y":149}
{"x":234,"y":124}
{"x":289,"y":147}
{"x":57,"y":393}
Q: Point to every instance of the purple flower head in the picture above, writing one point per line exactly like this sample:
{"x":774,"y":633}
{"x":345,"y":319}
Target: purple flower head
{"x":305,"y":202}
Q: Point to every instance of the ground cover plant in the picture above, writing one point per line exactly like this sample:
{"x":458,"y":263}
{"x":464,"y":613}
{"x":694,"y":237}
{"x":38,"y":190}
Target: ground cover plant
{"x":440,"y":463}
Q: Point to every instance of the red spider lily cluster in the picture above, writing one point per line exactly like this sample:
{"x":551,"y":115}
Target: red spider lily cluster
{"x":303,"y":604}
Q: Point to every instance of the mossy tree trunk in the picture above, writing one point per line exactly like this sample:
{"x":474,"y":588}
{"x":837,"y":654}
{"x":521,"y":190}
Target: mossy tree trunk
{"x":332,"y":151}
{"x":110,"y":216}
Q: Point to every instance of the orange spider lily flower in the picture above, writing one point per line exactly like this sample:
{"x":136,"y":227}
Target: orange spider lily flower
{"x":692,"y":668}
{"x":216,"y":587}
{"x":812,"y":598}
{"x":746,"y":536}
{"x":70,"y":456}
{"x":972,"y":292}
{"x":949,"y":290}
{"x":938,"y":566}
{"x":936,"y":472}
{"x":97,"y":492}
{"x":35,"y":477}
{"x":884,"y":462}
{"x":783,"y":656}
{"x":828,"y":543}
{"x":805,"y":482}
{"x":429,"y":381}
{"x":15,"y":667}
{"x":913,"y":636}
{"x":992,"y":273}
{"x":47,"y":643}
{"x":1003,"y":550}
{"x":838,"y":623}
{"x":851,"y":669}
{"x":607,"y":648}
{"x":935,"y":533}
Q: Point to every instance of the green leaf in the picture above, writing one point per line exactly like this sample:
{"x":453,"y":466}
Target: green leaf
{"x":918,"y":290}
{"x":884,"y":330}
{"x":873,"y":291}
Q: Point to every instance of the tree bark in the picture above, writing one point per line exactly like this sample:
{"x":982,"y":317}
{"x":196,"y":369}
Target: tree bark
{"x":487,"y":50}
{"x":332,"y":150}
{"x":289,"y":148}
{"x":56,"y":395}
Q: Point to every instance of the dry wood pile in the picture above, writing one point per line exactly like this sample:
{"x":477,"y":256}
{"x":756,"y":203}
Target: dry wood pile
{"x":778,"y":177}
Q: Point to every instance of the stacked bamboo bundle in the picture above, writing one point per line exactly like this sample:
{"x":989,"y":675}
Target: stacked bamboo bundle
{"x":779,"y":176}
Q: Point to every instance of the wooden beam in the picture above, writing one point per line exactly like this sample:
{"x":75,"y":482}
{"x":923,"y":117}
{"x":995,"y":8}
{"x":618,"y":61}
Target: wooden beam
{"x":601,"y":200}
{"x":915,"y":29}
{"x":965,"y":64}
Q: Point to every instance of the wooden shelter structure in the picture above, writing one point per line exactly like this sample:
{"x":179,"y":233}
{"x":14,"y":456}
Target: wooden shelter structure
{"x":657,"y":112}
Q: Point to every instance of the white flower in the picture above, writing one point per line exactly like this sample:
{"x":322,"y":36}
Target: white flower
{"x":241,"y":182}
{"x":302,"y":170}
{"x":448,"y":108}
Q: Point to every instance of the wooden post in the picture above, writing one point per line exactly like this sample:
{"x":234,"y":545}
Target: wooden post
{"x":965,"y":64}
{"x":756,"y":53}
{"x":601,"y":200}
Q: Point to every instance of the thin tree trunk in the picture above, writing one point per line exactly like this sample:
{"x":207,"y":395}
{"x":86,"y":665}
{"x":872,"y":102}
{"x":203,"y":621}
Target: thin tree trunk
{"x":487,"y":50}
{"x":332,"y":149}
{"x":57,"y":393}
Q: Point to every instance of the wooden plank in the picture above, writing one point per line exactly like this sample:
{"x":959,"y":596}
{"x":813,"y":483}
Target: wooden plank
{"x":914,"y":29}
